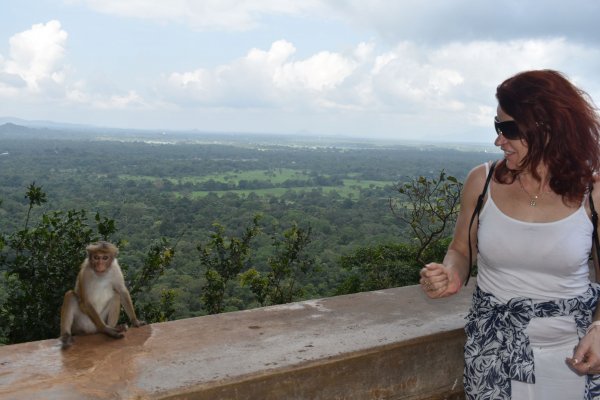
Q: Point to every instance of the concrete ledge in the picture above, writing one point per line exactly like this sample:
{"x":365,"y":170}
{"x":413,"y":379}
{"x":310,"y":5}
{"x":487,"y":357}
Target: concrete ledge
{"x":389,"y":344}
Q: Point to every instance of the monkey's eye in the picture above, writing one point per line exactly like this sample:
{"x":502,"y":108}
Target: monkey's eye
{"x":98,"y":258}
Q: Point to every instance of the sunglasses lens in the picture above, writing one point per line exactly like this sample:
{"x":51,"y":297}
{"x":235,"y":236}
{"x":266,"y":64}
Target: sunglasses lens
{"x":508,"y":129}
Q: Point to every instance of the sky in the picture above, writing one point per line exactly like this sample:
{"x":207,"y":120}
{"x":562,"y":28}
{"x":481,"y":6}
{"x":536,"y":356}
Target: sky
{"x":393,"y":69}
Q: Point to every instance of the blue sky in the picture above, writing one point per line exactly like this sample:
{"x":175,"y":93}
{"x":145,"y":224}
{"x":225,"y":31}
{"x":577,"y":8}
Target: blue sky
{"x":404,"y":69}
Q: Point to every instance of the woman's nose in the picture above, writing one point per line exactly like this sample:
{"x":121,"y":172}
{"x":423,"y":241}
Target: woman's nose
{"x":500,"y":140}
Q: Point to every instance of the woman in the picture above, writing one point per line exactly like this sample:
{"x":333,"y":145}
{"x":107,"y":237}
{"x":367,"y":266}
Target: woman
{"x":534,"y":303}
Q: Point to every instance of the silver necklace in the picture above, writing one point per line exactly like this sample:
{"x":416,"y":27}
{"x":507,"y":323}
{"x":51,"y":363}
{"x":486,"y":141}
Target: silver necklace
{"x":532,"y":199}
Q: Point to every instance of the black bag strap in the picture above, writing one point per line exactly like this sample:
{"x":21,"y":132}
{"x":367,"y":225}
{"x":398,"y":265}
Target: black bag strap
{"x":476,"y":214}
{"x":595,"y":222}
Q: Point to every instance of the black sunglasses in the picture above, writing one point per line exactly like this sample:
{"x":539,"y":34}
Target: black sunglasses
{"x":508,"y":129}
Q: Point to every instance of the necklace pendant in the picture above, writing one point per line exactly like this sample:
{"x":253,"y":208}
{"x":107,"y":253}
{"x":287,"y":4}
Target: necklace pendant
{"x":533,"y":201}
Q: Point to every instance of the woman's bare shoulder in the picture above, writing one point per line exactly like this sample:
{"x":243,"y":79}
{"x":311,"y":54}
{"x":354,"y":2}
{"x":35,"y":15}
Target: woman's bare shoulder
{"x":476,"y":178}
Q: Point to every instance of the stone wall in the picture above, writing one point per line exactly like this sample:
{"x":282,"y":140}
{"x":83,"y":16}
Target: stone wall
{"x":388,"y":344}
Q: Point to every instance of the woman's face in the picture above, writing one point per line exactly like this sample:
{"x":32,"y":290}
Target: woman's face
{"x":514,"y":150}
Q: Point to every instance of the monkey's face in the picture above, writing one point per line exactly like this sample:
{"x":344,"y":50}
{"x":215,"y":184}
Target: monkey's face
{"x":101,"y":262}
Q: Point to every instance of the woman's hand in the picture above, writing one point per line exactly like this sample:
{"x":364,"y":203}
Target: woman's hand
{"x":586,"y":357}
{"x":439,"y":281}
{"x":442,"y":280}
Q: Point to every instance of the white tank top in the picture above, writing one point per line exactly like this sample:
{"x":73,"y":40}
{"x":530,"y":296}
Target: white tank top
{"x":537,"y":260}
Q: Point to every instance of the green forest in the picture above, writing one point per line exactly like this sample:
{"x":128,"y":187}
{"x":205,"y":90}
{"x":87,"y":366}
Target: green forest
{"x":212,"y":223}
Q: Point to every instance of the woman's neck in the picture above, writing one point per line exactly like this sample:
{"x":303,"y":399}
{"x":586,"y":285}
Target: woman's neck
{"x":537,"y":185}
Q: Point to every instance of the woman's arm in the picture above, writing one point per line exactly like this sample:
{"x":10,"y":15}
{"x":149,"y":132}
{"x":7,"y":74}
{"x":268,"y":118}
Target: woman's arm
{"x":445,"y":279}
{"x":586,"y":357}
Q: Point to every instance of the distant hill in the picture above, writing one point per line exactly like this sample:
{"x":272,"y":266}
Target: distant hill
{"x":16,"y":128}
{"x":10,"y":127}
{"x":11,"y":130}
{"x":45,"y":124}
{"x":17,"y":131}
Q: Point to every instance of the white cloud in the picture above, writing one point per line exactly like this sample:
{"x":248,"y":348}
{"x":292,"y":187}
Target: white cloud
{"x":408,"y":79}
{"x":121,"y":102}
{"x":78,"y":94}
{"x":321,"y":72}
{"x":440,"y":73}
{"x":35,"y":72}
{"x":263,"y":78}
{"x":35,"y":57}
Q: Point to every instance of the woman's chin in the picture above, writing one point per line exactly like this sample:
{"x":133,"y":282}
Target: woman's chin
{"x":510,"y":163}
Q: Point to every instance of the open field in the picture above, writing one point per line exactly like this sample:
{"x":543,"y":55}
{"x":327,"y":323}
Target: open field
{"x":275,"y":176}
{"x":350,"y":188}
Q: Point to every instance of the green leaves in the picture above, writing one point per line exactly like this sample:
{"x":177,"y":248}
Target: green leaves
{"x":106,"y":227}
{"x":385,"y":266}
{"x":288,"y":264}
{"x":228,"y":259}
{"x":157,"y":260}
{"x":41,"y":263}
{"x":224,"y":260}
{"x":36,"y":197}
{"x":429,"y":206}
{"x":379,"y":267}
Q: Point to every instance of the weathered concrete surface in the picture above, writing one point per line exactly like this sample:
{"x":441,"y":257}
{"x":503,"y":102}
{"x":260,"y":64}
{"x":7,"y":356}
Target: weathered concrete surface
{"x":389,"y":344}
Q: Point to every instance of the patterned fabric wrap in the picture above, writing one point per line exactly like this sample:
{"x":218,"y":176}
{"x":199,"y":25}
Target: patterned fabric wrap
{"x":497,"y":348}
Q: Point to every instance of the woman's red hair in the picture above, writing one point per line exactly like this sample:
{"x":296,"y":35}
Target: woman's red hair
{"x":559,"y":123}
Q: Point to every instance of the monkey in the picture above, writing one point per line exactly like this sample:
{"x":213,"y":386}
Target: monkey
{"x":95,"y":303}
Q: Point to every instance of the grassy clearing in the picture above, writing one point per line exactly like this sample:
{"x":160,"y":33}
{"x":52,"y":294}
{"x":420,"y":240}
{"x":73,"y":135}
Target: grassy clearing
{"x":366,"y":184}
{"x":278,"y":192}
{"x":351,"y":187}
{"x":275,"y":176}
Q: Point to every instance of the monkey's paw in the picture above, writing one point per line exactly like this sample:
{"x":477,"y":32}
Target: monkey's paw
{"x":137,"y":323}
{"x":113,"y":332}
{"x":66,"y":340}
